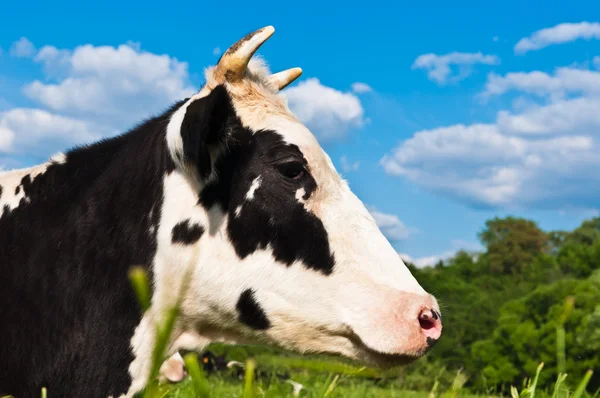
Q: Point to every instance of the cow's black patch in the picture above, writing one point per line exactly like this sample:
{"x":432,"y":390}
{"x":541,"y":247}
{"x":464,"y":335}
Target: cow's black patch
{"x":203,"y":127}
{"x":65,"y":254}
{"x":274,"y":216}
{"x":0,"y":191}
{"x":186,"y":233}
{"x":26,"y":181}
{"x":430,"y":342}
{"x":250,"y":312}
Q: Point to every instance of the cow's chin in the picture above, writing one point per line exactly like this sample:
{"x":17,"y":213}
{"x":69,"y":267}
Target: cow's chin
{"x":356,"y":350}
{"x":344,"y":344}
{"x":382,"y":360}
{"x":353,"y":348}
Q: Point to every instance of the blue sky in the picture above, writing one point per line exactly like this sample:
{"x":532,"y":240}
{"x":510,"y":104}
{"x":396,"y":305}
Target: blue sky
{"x":465,"y":110}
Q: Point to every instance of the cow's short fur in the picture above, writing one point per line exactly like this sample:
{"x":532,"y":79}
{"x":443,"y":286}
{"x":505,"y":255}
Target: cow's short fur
{"x":226,"y":191}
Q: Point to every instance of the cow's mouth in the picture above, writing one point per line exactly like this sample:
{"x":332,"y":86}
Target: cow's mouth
{"x":379,"y":359}
{"x":366,"y":355}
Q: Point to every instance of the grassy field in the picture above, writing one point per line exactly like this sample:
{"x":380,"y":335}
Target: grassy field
{"x":317,"y":383}
{"x":318,"y":377}
{"x":265,"y":372}
{"x":324,"y":378}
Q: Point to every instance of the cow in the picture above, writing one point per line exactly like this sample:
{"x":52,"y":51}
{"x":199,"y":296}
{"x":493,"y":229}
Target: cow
{"x":227,"y":193}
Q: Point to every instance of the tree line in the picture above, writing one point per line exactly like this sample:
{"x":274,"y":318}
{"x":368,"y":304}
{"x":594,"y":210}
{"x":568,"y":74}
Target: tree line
{"x":531,"y":296}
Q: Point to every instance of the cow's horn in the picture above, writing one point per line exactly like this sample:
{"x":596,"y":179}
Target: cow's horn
{"x":232,"y":65}
{"x":284,"y":78}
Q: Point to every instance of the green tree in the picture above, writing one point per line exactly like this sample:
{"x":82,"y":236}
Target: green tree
{"x":587,"y":233}
{"x":526,"y":335}
{"x":556,"y":240}
{"x":512,"y":244}
{"x":500,"y":307}
{"x":579,"y":255}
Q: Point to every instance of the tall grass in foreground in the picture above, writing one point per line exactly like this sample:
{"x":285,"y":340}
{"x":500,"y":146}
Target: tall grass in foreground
{"x":198,"y":385}
{"x":342,"y":380}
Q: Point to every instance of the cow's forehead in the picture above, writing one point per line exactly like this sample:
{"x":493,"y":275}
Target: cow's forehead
{"x":279,"y":119}
{"x":260,"y":106}
{"x":295,"y":133}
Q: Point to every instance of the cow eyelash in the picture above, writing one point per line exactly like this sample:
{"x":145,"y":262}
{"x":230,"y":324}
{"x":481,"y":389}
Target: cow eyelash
{"x":292,"y":170}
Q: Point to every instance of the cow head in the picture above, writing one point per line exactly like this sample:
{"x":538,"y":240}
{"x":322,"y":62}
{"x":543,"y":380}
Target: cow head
{"x":278,"y":248}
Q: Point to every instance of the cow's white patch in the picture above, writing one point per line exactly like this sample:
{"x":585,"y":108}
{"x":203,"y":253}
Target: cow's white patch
{"x":152,"y":227}
{"x":300,"y":195}
{"x":253,"y":187}
{"x":173,"y":369}
{"x":169,"y":266}
{"x":59,"y":158}
{"x":173,"y":136}
{"x":11,"y":180}
{"x":238,"y":211}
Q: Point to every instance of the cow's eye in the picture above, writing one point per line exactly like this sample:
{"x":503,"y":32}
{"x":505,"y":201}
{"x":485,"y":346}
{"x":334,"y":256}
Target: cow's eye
{"x":292,"y":170}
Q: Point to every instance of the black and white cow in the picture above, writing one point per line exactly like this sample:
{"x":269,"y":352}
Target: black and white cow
{"x":227,"y":185}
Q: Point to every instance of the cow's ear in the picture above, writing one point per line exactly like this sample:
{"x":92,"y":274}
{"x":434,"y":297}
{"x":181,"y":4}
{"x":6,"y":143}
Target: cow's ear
{"x":204,"y":127}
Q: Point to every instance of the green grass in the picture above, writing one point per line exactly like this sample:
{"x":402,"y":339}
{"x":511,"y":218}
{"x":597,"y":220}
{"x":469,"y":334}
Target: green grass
{"x":321,"y":377}
{"x":319,"y":384}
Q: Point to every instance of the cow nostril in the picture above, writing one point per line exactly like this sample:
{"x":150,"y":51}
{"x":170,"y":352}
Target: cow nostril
{"x":431,"y":325}
{"x":426,"y":321}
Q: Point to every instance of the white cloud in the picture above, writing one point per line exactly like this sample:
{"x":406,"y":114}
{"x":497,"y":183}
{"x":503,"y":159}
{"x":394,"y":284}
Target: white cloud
{"x":540,"y":153}
{"x":22,"y":48}
{"x":348,"y":166}
{"x":91,"y":92}
{"x":136,"y":45}
{"x":428,"y":261}
{"x":24,"y":129}
{"x":558,"y":34}
{"x":360,"y":88}
{"x":544,"y":156}
{"x":328,"y":112}
{"x":390,"y":225}
{"x":564,"y":81}
{"x":439,"y":69}
{"x":115,"y":85}
{"x":216,"y":51}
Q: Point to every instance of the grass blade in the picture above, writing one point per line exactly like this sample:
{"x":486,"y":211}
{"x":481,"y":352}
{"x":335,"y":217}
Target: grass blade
{"x":514,"y":393}
{"x":249,"y":378}
{"x":583,"y":384}
{"x":434,"y":388}
{"x":138,"y":277}
{"x":560,"y":379}
{"x":560,"y":334}
{"x":535,"y":380}
{"x":162,"y":338}
{"x":44,"y":392}
{"x":331,"y":386}
{"x":197,"y":375}
{"x":326,"y":384}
